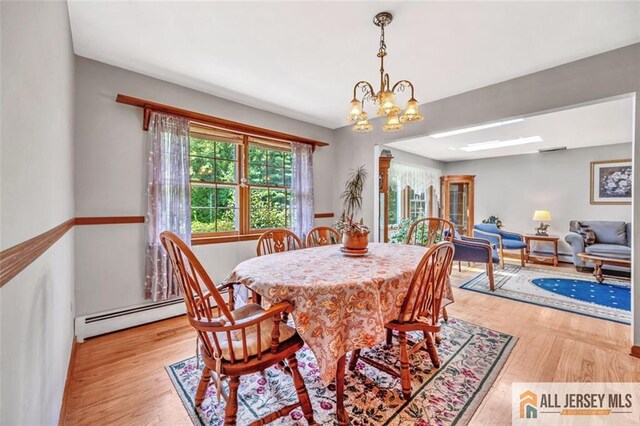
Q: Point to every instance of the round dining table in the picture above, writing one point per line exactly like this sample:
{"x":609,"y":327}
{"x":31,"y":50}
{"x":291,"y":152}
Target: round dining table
{"x":340,"y":303}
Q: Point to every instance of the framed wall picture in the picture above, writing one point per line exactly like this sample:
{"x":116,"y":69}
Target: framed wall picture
{"x":611,"y":182}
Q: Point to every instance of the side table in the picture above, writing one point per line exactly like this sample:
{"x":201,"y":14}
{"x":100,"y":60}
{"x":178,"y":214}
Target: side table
{"x":539,"y":257}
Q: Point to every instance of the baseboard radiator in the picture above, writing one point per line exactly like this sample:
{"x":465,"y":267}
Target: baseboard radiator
{"x":107,"y":322}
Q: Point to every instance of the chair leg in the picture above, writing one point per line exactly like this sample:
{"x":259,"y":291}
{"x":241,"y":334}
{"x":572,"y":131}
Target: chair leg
{"x":459,"y":266}
{"x":445,"y":315}
{"x":202,"y":386}
{"x":389,"y":336}
{"x":301,"y":389}
{"x":405,"y":374}
{"x":354,"y":359}
{"x":433,"y":353}
{"x":231,"y":411}
{"x":492,"y":284}
{"x":501,"y":257}
{"x":522,"y":257}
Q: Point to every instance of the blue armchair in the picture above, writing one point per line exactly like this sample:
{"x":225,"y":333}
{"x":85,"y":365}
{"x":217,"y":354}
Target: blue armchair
{"x":501,"y":240}
{"x":479,"y":250}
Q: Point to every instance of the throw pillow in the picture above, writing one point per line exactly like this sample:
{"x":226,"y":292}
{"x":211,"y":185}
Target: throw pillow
{"x":586,"y":233}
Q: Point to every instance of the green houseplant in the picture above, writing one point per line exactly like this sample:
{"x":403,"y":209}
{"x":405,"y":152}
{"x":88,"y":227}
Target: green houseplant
{"x":355,"y":235}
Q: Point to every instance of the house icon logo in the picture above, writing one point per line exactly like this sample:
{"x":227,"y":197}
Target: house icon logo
{"x":528,"y":405}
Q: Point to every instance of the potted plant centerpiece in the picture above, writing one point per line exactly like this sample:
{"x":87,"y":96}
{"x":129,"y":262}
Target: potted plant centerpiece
{"x":355,"y":234}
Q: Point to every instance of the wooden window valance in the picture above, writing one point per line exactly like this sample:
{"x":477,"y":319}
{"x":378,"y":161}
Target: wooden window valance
{"x":208,"y":120}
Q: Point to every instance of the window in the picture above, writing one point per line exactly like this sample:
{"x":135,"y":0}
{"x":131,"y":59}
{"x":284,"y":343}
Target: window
{"x":239,"y":185}
{"x":269,"y":186}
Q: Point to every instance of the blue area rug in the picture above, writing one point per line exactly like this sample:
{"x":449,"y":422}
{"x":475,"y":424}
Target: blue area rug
{"x":613,"y":296}
{"x":559,"y":289}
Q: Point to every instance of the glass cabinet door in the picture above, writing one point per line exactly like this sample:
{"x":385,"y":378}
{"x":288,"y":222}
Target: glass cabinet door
{"x":459,"y":206}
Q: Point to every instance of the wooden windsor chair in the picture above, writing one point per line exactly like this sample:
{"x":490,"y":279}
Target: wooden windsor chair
{"x":277,"y":241}
{"x":322,"y":236}
{"x":235,"y":342}
{"x":429,"y":231}
{"x":420,"y":312}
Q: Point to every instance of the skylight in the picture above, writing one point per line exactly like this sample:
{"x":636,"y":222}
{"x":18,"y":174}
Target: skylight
{"x":475,"y":128}
{"x":500,"y":144}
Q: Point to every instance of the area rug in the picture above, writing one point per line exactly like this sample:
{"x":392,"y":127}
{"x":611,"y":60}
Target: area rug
{"x":471,"y":358}
{"x":560,"y":290}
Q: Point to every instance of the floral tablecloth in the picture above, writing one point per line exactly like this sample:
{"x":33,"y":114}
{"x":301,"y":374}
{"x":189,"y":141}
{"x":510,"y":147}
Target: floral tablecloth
{"x":340,"y":303}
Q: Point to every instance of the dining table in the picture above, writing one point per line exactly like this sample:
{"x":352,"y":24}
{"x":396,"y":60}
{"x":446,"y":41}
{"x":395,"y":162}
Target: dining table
{"x":340,"y":303}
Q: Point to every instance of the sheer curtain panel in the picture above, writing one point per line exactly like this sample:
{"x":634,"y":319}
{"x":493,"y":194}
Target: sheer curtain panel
{"x":302,"y":189}
{"x":169,"y":204}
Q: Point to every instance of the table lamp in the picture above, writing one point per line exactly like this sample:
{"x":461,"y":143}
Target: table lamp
{"x":542,"y":215}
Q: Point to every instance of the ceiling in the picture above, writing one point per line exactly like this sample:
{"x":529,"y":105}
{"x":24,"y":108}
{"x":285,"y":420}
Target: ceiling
{"x":604,"y":123}
{"x":301,"y":59}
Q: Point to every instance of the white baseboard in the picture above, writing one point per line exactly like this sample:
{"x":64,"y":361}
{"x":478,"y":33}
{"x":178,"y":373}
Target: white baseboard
{"x":119,"y":319}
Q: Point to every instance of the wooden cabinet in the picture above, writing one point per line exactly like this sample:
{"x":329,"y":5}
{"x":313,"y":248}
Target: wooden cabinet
{"x":457,"y":201}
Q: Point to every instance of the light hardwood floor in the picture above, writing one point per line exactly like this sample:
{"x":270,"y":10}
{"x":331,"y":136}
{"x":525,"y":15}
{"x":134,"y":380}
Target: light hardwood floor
{"x":120,"y":378}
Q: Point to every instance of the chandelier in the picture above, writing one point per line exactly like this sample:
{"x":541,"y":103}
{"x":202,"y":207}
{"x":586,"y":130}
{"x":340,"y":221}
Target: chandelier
{"x":384,"y":98}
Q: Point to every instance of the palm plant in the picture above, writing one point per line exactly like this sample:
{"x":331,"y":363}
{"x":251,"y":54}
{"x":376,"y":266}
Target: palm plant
{"x":352,"y":203}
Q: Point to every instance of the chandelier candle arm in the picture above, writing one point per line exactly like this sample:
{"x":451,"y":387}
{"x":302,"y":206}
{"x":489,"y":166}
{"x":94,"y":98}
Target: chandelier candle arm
{"x":384,"y":98}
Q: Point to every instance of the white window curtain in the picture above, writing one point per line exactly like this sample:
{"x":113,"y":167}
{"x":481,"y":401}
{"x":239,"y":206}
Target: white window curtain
{"x":301,"y":189}
{"x":169,"y":199}
{"x":417,"y":177}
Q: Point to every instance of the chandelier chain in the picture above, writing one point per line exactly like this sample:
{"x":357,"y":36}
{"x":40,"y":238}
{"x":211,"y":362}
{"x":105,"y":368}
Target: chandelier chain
{"x":383,"y":46}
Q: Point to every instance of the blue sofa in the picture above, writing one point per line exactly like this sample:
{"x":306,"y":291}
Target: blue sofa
{"x":500,"y":239}
{"x":612,"y":239}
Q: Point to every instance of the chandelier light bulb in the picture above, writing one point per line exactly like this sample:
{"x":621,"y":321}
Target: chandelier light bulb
{"x":363,"y":125}
{"x":387,"y":104}
{"x":411,"y":113}
{"x":393,"y":124}
{"x":355,"y":111}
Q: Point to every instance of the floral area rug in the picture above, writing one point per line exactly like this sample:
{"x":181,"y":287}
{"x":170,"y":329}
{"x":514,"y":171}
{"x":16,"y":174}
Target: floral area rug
{"x":471,"y":358}
{"x":561,"y":290}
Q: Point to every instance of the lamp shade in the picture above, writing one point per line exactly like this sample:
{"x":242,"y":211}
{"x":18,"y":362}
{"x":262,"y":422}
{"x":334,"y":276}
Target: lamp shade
{"x":542,"y":215}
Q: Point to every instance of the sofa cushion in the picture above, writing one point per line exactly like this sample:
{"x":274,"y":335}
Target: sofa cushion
{"x":487,"y":227}
{"x":513,"y":244}
{"x":609,"y":250}
{"x":609,"y":232}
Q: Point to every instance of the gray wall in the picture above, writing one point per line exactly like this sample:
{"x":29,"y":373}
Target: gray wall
{"x":609,"y":74}
{"x":513,"y":187}
{"x":110,"y":179}
{"x":36,"y":172}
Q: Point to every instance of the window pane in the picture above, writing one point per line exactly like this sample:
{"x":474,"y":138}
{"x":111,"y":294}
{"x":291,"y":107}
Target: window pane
{"x":257,"y":155}
{"x":226,"y":219}
{"x":278,"y":207}
{"x":226,"y":197}
{"x":260,"y":215}
{"x":257,"y":175}
{"x":202,"y":147}
{"x":203,"y":220}
{"x":287,"y":176}
{"x":226,"y":171}
{"x":226,"y":150}
{"x":203,"y":196}
{"x":276,"y":176}
{"x":275,"y":158}
{"x":287,"y":158}
{"x":202,"y":169}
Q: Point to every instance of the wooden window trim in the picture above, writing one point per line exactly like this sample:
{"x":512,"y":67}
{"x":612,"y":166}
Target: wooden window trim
{"x":220,"y":123}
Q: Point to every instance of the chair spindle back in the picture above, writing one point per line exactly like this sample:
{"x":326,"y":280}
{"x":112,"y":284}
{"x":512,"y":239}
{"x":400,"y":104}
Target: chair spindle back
{"x":424,"y":297}
{"x":322,"y":236}
{"x":429,"y":231}
{"x":277,"y":241}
